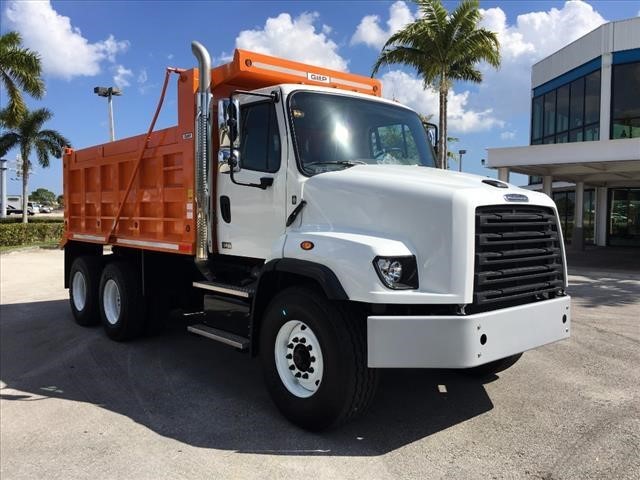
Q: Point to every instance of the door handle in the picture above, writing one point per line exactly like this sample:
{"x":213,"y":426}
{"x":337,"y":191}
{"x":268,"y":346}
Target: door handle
{"x":225,"y":208}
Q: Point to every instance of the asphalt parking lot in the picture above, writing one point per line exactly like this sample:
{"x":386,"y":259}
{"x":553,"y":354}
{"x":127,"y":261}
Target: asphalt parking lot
{"x":75,"y":405}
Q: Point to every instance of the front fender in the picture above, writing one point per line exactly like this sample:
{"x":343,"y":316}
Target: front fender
{"x":350,"y":257}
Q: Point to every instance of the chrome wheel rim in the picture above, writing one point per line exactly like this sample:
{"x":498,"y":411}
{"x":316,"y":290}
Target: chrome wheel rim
{"x":299,"y":359}
{"x":111,"y":301}
{"x":79,"y":291}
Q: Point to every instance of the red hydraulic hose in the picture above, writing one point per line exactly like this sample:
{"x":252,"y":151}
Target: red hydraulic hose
{"x":169,"y":71}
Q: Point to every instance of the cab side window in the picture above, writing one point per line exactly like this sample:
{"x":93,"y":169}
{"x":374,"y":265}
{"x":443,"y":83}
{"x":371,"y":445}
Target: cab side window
{"x":260,"y":142}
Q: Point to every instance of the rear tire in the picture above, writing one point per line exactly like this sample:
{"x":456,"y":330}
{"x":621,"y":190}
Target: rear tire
{"x":341,"y":386}
{"x":121,"y":302}
{"x":494,"y":367}
{"x":84,"y":283}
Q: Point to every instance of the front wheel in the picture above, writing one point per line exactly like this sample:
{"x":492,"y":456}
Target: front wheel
{"x":314,"y":359}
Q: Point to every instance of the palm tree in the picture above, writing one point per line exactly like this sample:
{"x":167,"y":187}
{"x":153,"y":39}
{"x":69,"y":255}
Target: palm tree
{"x":19,"y":71}
{"x":28,"y":136}
{"x":443,"y":47}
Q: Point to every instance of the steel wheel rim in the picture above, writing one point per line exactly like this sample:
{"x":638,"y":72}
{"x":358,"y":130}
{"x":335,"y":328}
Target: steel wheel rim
{"x":111,"y":301}
{"x":299,"y":360}
{"x":79,"y":291}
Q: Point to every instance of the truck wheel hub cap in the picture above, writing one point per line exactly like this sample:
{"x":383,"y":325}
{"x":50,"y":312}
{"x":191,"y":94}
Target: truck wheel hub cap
{"x":299,"y":359}
{"x":111,"y":301}
{"x":79,"y":285}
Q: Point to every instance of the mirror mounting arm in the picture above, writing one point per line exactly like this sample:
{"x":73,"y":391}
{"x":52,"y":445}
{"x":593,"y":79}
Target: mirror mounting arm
{"x":274,"y":95}
{"x":264,"y":181}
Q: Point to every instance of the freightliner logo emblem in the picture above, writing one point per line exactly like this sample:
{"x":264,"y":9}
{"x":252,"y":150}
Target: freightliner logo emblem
{"x":516,"y":197}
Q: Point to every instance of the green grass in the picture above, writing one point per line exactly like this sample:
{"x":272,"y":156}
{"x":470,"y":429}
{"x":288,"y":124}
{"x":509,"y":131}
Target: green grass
{"x":12,"y":248}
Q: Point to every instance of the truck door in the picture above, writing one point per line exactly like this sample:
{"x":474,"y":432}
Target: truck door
{"x":250,"y":220}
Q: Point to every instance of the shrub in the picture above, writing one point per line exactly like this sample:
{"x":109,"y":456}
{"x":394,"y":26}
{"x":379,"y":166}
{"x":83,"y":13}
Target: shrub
{"x":13,"y":234}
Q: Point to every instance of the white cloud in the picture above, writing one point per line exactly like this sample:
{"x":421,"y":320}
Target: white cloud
{"x":295,"y":39}
{"x":121,"y":76}
{"x":533,"y":36}
{"x":170,"y":56}
{"x":409,"y":90}
{"x":369,"y":31}
{"x":508,"y":135}
{"x":64,"y":51}
{"x":224,"y":57}
{"x":538,"y":34}
{"x":142,"y":76}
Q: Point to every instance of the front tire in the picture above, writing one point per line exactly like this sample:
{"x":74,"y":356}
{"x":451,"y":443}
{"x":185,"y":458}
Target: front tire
{"x":84,"y":283}
{"x":121,"y":302}
{"x":328,"y":384}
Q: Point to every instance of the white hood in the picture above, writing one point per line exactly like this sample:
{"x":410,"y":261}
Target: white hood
{"x":429,"y":210}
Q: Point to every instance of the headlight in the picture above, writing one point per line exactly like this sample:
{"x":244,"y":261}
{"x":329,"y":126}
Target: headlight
{"x":399,"y":273}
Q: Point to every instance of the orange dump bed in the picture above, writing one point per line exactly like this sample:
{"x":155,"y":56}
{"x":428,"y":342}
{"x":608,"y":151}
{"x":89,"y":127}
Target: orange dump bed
{"x":159,"y":209}
{"x":158,"y":212}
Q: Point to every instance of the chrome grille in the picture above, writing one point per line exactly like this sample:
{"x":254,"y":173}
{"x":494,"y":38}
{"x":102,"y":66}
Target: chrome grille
{"x":518,"y":255}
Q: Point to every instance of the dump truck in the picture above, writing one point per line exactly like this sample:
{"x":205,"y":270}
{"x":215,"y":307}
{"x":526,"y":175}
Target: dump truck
{"x":296,"y":215}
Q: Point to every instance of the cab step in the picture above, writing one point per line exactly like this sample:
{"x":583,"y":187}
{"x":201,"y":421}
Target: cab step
{"x":228,"y":338}
{"x":227,"y":289}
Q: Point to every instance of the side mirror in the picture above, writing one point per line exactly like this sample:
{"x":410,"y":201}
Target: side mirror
{"x":229,"y":135}
{"x":229,"y":123}
{"x":432,"y":133}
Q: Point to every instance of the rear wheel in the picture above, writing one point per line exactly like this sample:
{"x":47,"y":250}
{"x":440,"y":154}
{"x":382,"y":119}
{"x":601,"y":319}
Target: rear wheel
{"x":494,"y":367}
{"x":314,"y":359}
{"x":121,"y":302}
{"x":84,"y":282}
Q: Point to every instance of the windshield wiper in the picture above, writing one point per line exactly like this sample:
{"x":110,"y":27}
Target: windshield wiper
{"x":348,"y":163}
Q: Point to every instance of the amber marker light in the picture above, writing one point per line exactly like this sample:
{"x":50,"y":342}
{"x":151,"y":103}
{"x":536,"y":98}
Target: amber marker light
{"x":306,"y":245}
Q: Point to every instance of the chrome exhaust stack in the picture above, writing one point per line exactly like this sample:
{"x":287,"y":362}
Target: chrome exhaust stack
{"x":203,"y":153}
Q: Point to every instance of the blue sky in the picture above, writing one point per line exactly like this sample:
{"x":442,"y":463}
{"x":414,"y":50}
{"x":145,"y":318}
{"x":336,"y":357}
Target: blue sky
{"x":129,"y":43}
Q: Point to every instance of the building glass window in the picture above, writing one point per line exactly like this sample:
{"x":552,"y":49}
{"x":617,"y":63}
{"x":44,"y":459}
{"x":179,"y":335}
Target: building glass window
{"x":534,"y":179}
{"x":562,"y":119}
{"x":592,"y":98}
{"x":550,"y":113}
{"x":536,"y":123}
{"x":625,"y":101}
{"x":565,"y":202}
{"x":577,"y":103}
{"x":624,"y":218}
{"x":569,"y":113}
{"x":576,"y":135}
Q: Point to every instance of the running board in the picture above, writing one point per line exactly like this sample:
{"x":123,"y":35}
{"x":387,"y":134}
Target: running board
{"x":221,"y":336}
{"x":234,"y":290}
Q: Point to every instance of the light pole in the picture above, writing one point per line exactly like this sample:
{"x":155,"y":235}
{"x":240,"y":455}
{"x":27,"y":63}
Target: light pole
{"x":109,"y":92}
{"x":460,"y":153}
{"x":3,"y":186}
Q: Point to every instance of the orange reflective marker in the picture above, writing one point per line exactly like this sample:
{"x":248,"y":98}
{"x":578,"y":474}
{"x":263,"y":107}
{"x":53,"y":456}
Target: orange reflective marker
{"x":306,"y":245}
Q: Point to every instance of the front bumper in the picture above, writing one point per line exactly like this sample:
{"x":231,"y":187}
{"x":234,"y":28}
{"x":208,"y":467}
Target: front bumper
{"x":467,"y":340}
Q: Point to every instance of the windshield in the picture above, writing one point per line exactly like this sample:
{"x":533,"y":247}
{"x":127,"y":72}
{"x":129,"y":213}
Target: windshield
{"x":333,"y":132}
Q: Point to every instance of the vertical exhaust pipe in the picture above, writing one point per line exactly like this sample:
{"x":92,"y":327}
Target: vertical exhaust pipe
{"x":203,"y":153}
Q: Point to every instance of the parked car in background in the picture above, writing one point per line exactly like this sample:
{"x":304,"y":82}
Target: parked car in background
{"x":11,"y":209}
{"x":45,"y":209}
{"x":31,"y":209}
